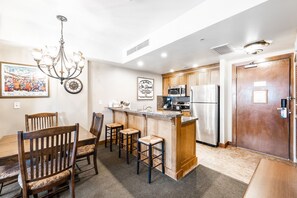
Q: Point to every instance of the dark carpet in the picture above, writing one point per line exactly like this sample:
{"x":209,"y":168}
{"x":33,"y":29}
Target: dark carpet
{"x":116,"y":178}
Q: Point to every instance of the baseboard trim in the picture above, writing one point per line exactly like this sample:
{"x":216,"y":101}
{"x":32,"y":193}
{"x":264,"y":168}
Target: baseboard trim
{"x":224,"y":145}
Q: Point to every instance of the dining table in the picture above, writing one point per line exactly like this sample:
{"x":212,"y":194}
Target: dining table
{"x":9,"y":145}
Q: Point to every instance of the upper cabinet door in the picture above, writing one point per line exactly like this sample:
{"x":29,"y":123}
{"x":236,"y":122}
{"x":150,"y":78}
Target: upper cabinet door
{"x":215,"y":76}
{"x":165,"y":86}
{"x":191,"y":81}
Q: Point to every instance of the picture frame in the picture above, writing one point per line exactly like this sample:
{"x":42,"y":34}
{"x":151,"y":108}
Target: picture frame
{"x":22,"y":81}
{"x":145,"y":88}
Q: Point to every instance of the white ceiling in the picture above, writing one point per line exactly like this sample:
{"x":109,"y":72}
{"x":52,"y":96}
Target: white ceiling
{"x":274,"y":20}
{"x":99,"y":28}
{"x":103,"y":28}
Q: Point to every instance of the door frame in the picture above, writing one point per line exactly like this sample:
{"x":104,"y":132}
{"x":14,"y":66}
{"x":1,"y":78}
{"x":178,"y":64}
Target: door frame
{"x":289,"y":56}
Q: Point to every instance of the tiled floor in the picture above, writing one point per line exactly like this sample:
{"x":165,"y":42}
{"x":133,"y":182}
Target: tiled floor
{"x":235,"y":162}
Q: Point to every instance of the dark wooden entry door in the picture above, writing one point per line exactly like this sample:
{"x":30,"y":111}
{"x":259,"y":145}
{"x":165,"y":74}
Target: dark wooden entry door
{"x":259,"y":125}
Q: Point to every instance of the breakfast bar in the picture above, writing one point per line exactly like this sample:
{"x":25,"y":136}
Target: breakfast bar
{"x":178,"y":132}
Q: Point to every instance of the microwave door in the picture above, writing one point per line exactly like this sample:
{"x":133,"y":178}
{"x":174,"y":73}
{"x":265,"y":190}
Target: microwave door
{"x":174,"y":91}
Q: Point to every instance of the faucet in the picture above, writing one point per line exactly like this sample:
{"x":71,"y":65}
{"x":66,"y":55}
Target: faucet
{"x":147,"y":108}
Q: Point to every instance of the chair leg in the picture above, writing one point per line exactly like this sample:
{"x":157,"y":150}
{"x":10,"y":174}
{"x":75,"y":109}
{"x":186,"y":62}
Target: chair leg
{"x":131,"y":143}
{"x":138,"y":156}
{"x":95,"y":163}
{"x":71,"y":187}
{"x":121,"y":141}
{"x":88,"y":158}
{"x":127,"y":148}
{"x":105,"y":137}
{"x":150,"y":164}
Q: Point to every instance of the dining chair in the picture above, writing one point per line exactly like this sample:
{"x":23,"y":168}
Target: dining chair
{"x":49,"y":165}
{"x":84,"y":152}
{"x":8,"y":175}
{"x":39,"y":121}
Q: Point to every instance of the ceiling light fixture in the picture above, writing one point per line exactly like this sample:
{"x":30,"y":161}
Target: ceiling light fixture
{"x":164,"y":55}
{"x":140,"y":63}
{"x":195,"y":65}
{"x":256,"y":47}
{"x":55,"y":64}
{"x":172,"y":70}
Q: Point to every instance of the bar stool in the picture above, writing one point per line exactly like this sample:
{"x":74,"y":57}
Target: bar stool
{"x":130,"y":141}
{"x":110,"y":130}
{"x":150,"y":142}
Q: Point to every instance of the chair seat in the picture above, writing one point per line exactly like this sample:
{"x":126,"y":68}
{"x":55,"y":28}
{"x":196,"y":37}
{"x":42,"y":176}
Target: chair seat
{"x":150,"y":140}
{"x":9,"y":172}
{"x":129,"y":131}
{"x":34,"y":185}
{"x":114,"y":125}
{"x":84,"y":150}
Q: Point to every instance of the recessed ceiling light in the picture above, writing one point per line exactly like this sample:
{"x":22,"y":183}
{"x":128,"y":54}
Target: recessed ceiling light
{"x":195,"y":65}
{"x":164,"y":55}
{"x":172,"y":70}
{"x":140,"y":63}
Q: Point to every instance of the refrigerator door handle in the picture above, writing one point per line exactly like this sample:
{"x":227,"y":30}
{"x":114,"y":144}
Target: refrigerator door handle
{"x":191,"y":95}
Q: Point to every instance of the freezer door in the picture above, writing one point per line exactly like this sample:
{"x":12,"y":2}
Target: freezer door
{"x":207,"y":124}
{"x":204,"y":93}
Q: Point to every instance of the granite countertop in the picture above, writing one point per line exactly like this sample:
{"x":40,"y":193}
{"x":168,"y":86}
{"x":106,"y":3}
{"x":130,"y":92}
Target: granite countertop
{"x":164,"y":114}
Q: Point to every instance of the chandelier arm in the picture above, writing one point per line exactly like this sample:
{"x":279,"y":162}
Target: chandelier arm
{"x":48,"y":74}
{"x":75,"y":75}
{"x":54,"y":67}
{"x":70,"y":76}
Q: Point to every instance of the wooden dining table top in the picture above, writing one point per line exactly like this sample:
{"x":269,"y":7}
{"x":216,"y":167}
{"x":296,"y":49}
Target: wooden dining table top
{"x":9,"y":145}
{"x":273,"y":179}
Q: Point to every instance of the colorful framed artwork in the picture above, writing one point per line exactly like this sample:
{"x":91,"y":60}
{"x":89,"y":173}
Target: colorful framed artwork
{"x":145,"y":88}
{"x":23,"y":81}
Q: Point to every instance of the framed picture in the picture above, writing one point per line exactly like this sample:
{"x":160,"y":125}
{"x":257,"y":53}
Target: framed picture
{"x":145,"y":88}
{"x":23,"y":81}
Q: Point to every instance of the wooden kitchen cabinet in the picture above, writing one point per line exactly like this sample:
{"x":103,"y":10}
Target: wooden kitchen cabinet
{"x":165,"y":86}
{"x":204,"y":75}
{"x":192,"y":79}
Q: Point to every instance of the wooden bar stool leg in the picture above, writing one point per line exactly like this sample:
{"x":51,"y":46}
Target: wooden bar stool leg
{"x":120,"y":144}
{"x":117,"y":131}
{"x":150,"y":164}
{"x":163,"y":166}
{"x":105,"y":136}
{"x":138,"y":156}
{"x":131,"y":143}
{"x":110,"y":138}
{"x":127,"y":148}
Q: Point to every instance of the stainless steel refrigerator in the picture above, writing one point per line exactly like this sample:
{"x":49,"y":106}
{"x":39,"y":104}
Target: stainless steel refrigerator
{"x":205,"y":106}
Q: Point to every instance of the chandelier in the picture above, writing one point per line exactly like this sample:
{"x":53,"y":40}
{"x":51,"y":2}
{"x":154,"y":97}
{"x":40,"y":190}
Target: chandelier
{"x":55,"y":64}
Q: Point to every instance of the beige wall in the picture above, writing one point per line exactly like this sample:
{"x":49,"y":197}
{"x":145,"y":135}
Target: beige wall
{"x":71,"y":108}
{"x":107,"y":83}
{"x":101,"y":84}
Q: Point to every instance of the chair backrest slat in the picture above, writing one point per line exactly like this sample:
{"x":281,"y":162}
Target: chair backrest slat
{"x":49,"y":151}
{"x":39,"y":121}
{"x":96,"y":126}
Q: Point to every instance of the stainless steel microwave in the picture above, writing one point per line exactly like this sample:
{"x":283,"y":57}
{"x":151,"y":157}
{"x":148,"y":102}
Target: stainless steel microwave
{"x":179,"y":90}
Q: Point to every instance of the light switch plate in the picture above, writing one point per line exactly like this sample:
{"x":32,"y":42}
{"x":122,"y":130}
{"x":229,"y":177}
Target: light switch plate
{"x":16,"y":105}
